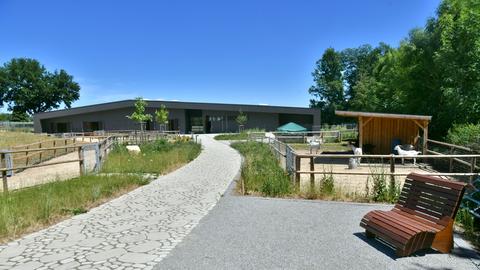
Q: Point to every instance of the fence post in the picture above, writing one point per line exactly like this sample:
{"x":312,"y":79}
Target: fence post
{"x":312,"y":175}
{"x":297,"y":168}
{"x":26,"y":156}
{"x":80,"y":160}
{"x":452,"y":150}
{"x":392,"y":169}
{"x":98,"y":163}
{"x":54,"y":150}
{"x":472,"y":168}
{"x":40,"y":146}
{"x":4,"y":172}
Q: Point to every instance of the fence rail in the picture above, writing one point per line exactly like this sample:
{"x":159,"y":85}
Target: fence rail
{"x":9,"y":162}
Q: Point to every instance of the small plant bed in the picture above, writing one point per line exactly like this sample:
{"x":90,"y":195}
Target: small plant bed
{"x":31,"y":209}
{"x":9,"y":139}
{"x":158,"y":157}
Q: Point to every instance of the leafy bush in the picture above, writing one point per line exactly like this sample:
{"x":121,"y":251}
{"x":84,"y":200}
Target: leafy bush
{"x":465,"y":134}
{"x":381,"y":191}
{"x":261,"y":171}
{"x":327,"y":185}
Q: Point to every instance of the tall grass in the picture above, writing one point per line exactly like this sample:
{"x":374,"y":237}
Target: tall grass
{"x":30,"y":209}
{"x":13,"y":138}
{"x":261,"y":172}
{"x":157,"y":157}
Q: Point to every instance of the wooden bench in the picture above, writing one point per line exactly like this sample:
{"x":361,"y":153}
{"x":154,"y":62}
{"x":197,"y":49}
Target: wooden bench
{"x":422,"y":218}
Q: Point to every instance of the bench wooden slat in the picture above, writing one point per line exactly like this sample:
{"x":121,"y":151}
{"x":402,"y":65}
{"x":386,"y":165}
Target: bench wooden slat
{"x":422,"y":217}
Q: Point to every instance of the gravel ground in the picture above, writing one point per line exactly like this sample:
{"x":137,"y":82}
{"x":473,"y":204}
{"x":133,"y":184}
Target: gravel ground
{"x":40,"y":175}
{"x":258,"y":233}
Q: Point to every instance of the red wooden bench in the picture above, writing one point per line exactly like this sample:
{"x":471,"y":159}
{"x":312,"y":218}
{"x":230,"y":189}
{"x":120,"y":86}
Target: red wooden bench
{"x":422,"y":218}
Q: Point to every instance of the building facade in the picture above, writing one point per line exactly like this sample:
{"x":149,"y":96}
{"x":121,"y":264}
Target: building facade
{"x":183,"y":116}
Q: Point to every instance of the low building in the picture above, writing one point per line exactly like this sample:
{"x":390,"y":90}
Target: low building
{"x":206,"y":117}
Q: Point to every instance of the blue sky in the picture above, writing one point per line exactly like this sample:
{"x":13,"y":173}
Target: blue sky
{"x":254,"y":52}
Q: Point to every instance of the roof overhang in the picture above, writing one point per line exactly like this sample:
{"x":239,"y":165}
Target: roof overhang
{"x":383,"y":115}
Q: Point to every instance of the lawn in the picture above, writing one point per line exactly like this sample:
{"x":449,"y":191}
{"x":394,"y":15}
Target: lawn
{"x":157,"y":157}
{"x":31,"y":209}
{"x":12,"y":138}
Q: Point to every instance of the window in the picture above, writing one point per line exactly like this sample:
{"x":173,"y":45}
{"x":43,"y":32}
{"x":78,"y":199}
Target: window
{"x":92,"y":126}
{"x":63,"y":127}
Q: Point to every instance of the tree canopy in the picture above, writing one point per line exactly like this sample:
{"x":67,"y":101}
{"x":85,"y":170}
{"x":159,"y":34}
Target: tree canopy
{"x":27,"y":87}
{"x":434,"y":71}
{"x":139,"y":115}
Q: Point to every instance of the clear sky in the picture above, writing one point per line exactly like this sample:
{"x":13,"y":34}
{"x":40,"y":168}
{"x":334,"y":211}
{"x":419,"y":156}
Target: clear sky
{"x":248,"y":51}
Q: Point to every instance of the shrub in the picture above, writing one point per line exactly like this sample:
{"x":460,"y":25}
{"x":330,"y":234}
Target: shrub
{"x":466,"y":135}
{"x":327,"y":184}
{"x":261,"y":171}
{"x":381,"y":191}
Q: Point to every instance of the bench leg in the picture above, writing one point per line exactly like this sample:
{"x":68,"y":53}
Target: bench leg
{"x":443,"y":240}
{"x":369,"y":234}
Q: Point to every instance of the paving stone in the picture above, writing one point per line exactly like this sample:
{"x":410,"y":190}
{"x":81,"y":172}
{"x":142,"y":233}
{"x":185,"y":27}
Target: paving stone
{"x":137,"y":229}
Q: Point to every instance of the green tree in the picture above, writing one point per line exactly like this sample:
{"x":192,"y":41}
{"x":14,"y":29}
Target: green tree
{"x":27,"y":88}
{"x":139,"y":114}
{"x":161,"y":116}
{"x":328,"y":90}
{"x":241,"y":120}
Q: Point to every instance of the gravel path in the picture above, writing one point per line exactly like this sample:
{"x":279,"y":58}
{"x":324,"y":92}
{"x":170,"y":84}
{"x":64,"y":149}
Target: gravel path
{"x":134,"y":231}
{"x":259,"y":233}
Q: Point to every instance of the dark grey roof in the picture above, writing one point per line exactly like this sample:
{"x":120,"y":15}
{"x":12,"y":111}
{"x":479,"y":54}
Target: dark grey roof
{"x":177,"y":105}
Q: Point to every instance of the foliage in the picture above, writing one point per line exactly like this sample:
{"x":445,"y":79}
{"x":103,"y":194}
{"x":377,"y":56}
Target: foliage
{"x":327,"y":184}
{"x":5,"y":117}
{"x":261,"y":171}
{"x":139,"y":114}
{"x":381,"y":191}
{"x":161,"y":116}
{"x":27,"y":88}
{"x":25,"y":210}
{"x":328,"y":90}
{"x":241,"y":118}
{"x":158,"y":157}
{"x":434,"y":71}
{"x":465,"y":134}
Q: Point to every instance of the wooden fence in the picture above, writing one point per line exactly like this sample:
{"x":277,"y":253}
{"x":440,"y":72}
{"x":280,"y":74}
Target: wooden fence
{"x":33,"y":155}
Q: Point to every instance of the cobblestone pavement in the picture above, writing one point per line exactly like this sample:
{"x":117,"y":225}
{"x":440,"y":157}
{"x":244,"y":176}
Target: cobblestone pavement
{"x":136,"y":230}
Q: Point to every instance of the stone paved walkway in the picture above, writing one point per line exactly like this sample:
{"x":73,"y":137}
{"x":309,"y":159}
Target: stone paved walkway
{"x":136,"y":230}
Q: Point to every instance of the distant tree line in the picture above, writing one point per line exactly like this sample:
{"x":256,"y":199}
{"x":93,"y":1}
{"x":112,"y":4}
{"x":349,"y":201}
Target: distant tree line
{"x":434,"y":71}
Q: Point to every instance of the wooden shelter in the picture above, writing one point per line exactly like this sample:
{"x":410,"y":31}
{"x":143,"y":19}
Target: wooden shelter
{"x":379,"y":130}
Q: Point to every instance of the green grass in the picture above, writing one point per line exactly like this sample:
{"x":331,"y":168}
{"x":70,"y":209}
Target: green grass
{"x":31,"y":209}
{"x":261,"y":172}
{"x":157,"y":157}
{"x":12,"y":138}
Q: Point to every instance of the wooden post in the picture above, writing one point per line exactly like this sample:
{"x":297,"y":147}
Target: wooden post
{"x":472,"y":168}
{"x":54,"y":150}
{"x":26,"y":155}
{"x":40,"y":146}
{"x":80,"y":160}
{"x":425,"y":138}
{"x":392,"y":169}
{"x":360,"y":132}
{"x":312,"y":175}
{"x":452,"y":150}
{"x":3,"y":163}
{"x":297,"y":168}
